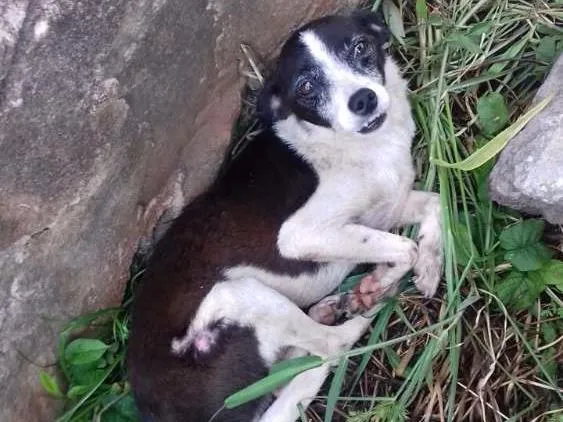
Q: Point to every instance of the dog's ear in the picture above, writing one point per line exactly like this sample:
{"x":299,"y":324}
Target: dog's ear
{"x":269,"y":105}
{"x":373,"y":22}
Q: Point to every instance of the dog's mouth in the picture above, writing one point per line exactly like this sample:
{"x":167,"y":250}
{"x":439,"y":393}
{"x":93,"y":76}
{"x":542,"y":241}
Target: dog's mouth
{"x":373,"y":124}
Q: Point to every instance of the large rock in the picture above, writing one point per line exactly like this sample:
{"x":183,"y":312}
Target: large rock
{"x":529,"y":173}
{"x":111,"y":112}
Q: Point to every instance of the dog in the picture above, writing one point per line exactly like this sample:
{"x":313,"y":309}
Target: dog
{"x":312,"y":196}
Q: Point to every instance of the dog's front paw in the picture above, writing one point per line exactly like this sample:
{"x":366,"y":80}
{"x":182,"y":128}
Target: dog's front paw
{"x":428,"y":271}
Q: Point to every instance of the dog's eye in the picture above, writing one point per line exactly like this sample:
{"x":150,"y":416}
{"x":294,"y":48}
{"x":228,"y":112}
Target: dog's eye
{"x":359,"y":48}
{"x":305,"y":88}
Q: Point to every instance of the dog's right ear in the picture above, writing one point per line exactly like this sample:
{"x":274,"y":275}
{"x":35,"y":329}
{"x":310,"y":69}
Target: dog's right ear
{"x":269,"y":106}
{"x":374,"y":22}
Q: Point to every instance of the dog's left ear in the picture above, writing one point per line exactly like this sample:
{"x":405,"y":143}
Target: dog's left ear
{"x":373,"y":22}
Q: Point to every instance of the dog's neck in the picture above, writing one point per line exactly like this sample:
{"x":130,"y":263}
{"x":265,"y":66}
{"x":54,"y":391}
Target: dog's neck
{"x":324,"y":147}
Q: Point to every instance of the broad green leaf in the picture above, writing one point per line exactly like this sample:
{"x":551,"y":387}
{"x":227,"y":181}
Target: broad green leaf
{"x":522,"y":243}
{"x":269,"y":383}
{"x":529,"y":258}
{"x":546,"y":49}
{"x":552,"y":273}
{"x":521,"y":234}
{"x":519,"y":290}
{"x":84,"y":350}
{"x":495,"y":145}
{"x":394,"y":20}
{"x":87,"y":374}
{"x":50,"y":385}
{"x":459,"y":40}
{"x":492,"y":113}
{"x":335,"y":387}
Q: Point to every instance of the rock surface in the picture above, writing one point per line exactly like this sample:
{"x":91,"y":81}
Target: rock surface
{"x":111,"y":112}
{"x":529,"y":173}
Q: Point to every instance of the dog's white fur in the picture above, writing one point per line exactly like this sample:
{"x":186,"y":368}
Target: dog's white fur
{"x":365,"y":189}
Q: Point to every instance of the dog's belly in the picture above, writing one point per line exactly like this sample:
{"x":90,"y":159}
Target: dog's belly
{"x":303,"y":289}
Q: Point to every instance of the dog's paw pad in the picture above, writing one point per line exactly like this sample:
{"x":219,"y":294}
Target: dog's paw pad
{"x":326,"y":311}
{"x":366,"y":294}
{"x":369,"y":291}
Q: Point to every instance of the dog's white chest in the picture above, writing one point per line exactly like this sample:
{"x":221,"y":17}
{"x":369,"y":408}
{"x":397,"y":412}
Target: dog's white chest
{"x":390,"y":185}
{"x":371,"y":183}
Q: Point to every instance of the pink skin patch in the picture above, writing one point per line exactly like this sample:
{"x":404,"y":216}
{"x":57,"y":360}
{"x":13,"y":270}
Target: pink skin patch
{"x":201,"y":342}
{"x":204,"y":341}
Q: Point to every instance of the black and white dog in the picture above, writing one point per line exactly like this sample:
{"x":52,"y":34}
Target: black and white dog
{"x":311,"y":197}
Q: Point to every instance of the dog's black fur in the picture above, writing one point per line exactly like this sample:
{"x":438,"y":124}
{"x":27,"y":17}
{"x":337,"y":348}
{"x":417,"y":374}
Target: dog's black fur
{"x":236,"y":221}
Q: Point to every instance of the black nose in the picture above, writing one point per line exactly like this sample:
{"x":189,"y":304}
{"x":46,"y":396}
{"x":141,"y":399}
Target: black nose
{"x":363,"y":102}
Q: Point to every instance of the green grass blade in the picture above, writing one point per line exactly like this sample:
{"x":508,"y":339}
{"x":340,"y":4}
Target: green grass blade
{"x":288,"y":364}
{"x":271,"y":382}
{"x":495,"y":145}
{"x":335,"y":388}
{"x":378,"y":329}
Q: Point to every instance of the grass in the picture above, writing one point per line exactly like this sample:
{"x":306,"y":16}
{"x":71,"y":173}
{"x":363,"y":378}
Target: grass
{"x":490,"y":346}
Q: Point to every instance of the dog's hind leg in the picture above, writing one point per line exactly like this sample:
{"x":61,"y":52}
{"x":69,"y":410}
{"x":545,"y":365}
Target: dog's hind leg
{"x":301,"y":390}
{"x":305,"y":386}
{"x":277,"y":321}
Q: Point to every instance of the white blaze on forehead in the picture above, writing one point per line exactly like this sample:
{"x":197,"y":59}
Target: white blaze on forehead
{"x":343,"y":82}
{"x":319,"y":50}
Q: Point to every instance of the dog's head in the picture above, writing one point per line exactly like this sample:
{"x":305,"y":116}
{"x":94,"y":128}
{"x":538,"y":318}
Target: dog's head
{"x":331,"y":74}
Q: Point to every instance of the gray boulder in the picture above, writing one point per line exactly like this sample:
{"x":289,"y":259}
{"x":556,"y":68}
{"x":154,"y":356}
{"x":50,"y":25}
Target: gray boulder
{"x":111,"y":112}
{"x":528,"y":175}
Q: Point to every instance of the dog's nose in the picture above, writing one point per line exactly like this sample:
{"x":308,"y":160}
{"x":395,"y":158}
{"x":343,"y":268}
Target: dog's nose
{"x":363,"y":102}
